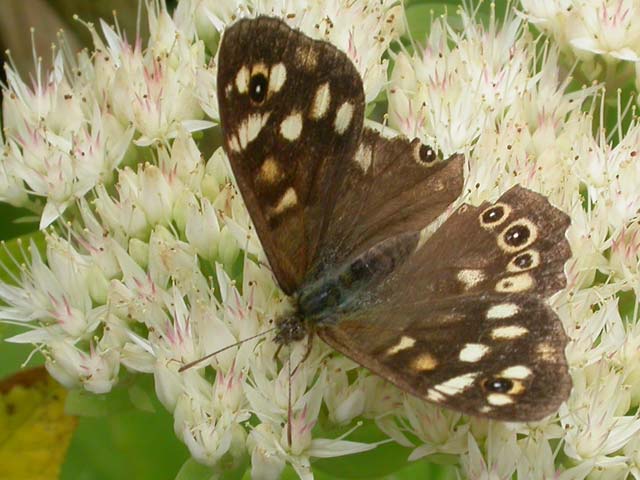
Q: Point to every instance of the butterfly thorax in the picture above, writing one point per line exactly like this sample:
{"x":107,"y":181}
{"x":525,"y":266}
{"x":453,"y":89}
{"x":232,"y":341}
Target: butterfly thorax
{"x":333,"y":293}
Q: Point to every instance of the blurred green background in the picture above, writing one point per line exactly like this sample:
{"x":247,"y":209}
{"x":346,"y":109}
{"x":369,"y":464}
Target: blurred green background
{"x":127,"y":433}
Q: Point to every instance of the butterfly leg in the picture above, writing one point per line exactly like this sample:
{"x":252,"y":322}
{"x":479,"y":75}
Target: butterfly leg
{"x":275,"y":355}
{"x":311,"y":334}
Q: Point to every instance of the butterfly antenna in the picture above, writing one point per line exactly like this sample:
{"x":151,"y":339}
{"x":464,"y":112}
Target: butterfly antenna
{"x":289,"y":414}
{"x":189,"y":365}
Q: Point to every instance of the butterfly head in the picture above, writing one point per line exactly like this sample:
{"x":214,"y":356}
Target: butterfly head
{"x":290,"y":329}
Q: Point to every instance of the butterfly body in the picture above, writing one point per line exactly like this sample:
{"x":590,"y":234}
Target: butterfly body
{"x":324,"y":300}
{"x":458,"y":317}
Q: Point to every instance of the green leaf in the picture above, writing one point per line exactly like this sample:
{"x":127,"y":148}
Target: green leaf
{"x":382,"y":460}
{"x":133,"y":444}
{"x":421,"y":12}
{"x":16,"y":222}
{"x":192,"y":470}
{"x":133,"y":392}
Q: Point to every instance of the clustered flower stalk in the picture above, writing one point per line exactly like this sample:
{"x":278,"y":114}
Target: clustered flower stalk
{"x":150,"y":259}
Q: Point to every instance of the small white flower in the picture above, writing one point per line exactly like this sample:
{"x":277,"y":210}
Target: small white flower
{"x":501,"y":457}
{"x":549,"y":15}
{"x":96,"y":370}
{"x":606,"y":27}
{"x":448,"y":95}
{"x":625,"y":257}
{"x":58,"y":141}
{"x":594,"y":419}
{"x":345,"y":400}
{"x":438,"y":429}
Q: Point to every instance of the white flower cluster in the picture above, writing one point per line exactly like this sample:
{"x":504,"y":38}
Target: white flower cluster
{"x":158,"y":264}
{"x":603,"y":34}
{"x":498,"y":95}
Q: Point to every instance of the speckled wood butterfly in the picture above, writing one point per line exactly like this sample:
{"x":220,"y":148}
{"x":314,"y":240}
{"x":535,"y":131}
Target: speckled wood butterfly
{"x":458,"y":318}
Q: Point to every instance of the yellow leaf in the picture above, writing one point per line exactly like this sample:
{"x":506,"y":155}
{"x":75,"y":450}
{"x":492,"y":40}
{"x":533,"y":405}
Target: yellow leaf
{"x":34,"y":430}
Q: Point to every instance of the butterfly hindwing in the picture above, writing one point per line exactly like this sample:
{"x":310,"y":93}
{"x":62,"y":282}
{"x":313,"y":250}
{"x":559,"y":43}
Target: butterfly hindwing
{"x":392,"y":186}
{"x":467,"y":308}
{"x":496,"y":356}
{"x":291,"y":111}
{"x":515,"y":245}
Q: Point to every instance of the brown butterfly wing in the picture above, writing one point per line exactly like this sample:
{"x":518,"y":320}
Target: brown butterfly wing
{"x":391,"y":186}
{"x":291,"y":111}
{"x":516,"y":245}
{"x":458,"y":353}
{"x":467,"y":308}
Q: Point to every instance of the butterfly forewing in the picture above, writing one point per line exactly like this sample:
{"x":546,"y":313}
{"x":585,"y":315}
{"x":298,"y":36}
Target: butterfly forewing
{"x":291,"y":111}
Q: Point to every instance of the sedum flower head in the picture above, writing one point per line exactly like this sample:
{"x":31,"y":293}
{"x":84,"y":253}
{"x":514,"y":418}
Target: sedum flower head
{"x":152,"y":262}
{"x":604,"y":34}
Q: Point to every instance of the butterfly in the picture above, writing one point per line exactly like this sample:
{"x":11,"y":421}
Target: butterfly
{"x":458,"y":318}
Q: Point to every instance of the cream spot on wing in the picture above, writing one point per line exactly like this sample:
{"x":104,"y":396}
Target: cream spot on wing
{"x":485,"y":409}
{"x":287,"y":201}
{"x":515,"y":283}
{"x":251,"y":128}
{"x":277,"y":77}
{"x":470,"y":277}
{"x":242,"y":80}
{"x":270,"y":172}
{"x":404,"y":343}
{"x":502,"y":310}
{"x":517,"y":388}
{"x":424,"y":362}
{"x":545,"y":352}
{"x":472,"y":352}
{"x":233,"y":143}
{"x":321,"y":101}
{"x":517,"y":228}
{"x":291,"y":126}
{"x":499,"y":399}
{"x":509,"y":332}
{"x":434,"y":396}
{"x":455,"y":385}
{"x":425,"y":234}
{"x":364,"y":156}
{"x":260,"y":68}
{"x":343,"y":117}
{"x":228,"y":89}
{"x":517,"y":371}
